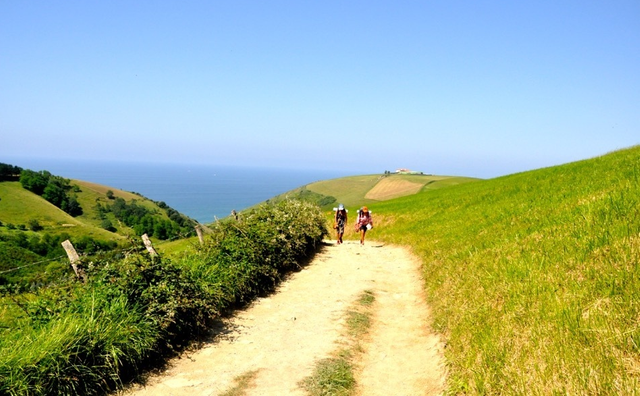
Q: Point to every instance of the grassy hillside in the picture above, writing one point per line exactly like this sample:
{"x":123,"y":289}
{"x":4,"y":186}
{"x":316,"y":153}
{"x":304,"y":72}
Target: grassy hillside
{"x":534,"y":278}
{"x":356,"y":191}
{"x":92,"y":194}
{"x":31,"y":228}
{"x":19,"y":206}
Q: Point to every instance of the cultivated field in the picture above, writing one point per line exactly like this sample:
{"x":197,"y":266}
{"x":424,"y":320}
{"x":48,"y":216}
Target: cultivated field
{"x":355,"y":191}
{"x":389,"y":188}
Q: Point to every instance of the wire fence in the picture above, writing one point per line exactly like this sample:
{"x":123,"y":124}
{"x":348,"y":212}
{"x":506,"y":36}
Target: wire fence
{"x":31,"y":264}
{"x":199,"y":231}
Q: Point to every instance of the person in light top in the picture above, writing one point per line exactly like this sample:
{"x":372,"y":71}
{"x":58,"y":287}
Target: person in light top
{"x":364,"y":223}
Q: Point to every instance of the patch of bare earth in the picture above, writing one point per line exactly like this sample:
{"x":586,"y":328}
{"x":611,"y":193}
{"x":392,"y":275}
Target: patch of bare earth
{"x":392,"y":188}
{"x":280,"y":338}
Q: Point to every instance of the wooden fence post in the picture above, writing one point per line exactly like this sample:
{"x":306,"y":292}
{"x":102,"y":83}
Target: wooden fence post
{"x":199,"y":232}
{"x":75,"y":260}
{"x":149,"y":245}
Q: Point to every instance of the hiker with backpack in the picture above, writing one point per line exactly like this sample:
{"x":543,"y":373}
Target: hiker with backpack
{"x":363,"y":223}
{"x":339,"y":222}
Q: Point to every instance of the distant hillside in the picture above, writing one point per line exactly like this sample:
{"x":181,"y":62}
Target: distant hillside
{"x":32,"y":228}
{"x":18,"y":207}
{"x":356,"y":191}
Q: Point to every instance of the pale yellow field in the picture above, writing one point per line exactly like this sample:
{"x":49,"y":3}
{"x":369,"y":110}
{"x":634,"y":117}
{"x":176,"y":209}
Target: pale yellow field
{"x":389,"y":188}
{"x":102,"y":190}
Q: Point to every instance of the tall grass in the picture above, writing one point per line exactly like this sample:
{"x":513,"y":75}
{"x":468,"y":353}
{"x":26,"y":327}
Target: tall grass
{"x":76,"y":351}
{"x":534,"y":277}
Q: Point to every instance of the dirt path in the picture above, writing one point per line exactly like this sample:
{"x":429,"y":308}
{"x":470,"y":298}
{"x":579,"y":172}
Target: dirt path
{"x":282,"y":336}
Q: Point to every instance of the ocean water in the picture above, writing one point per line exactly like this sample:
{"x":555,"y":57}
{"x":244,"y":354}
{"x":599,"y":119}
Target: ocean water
{"x":202,"y":192}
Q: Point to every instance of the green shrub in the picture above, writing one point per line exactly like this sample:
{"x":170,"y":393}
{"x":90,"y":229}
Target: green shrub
{"x":249,"y":257}
{"x":34,"y":225}
{"x":87,"y":338}
{"x":108,"y":225}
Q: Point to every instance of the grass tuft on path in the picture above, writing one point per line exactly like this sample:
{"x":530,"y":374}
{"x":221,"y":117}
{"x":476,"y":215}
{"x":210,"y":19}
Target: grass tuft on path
{"x":242,"y":383}
{"x":335,"y":375}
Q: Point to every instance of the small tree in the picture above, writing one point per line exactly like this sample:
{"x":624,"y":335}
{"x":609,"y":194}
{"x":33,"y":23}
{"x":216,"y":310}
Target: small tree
{"x":34,"y":181}
{"x":34,"y":225}
{"x":9,"y":172}
{"x":108,"y":225}
{"x":110,"y":194}
{"x":71,"y":206}
{"x":54,"y":194}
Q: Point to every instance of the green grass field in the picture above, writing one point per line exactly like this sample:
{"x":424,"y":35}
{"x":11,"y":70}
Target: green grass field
{"x":32,"y":230}
{"x":356,"y":191}
{"x":534,"y":278}
{"x":18,"y":206}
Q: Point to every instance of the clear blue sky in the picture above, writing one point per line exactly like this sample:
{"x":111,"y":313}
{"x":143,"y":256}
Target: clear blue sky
{"x":475,"y":88}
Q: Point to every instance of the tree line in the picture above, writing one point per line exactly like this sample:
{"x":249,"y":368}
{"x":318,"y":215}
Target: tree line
{"x":55,"y":189}
{"x":9,"y":172}
{"x":144,"y":220}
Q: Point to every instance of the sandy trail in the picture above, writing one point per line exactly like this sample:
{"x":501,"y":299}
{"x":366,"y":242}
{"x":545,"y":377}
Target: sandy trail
{"x":282,"y":336}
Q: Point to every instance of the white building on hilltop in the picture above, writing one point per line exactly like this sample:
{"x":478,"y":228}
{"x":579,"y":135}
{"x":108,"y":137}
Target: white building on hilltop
{"x":404,"y":171}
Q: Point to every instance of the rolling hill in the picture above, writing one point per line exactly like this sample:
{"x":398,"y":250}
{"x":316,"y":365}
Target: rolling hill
{"x":31,"y":228}
{"x":356,"y":191}
{"x":19,"y":206}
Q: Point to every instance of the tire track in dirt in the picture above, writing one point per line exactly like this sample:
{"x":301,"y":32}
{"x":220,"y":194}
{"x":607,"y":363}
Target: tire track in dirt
{"x":282,"y":336}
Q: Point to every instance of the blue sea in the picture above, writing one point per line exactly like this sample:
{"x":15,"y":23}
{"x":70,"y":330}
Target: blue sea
{"x":202,"y":192}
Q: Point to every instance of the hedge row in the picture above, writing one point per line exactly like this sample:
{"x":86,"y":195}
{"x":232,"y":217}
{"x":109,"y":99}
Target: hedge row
{"x":132,"y":313}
